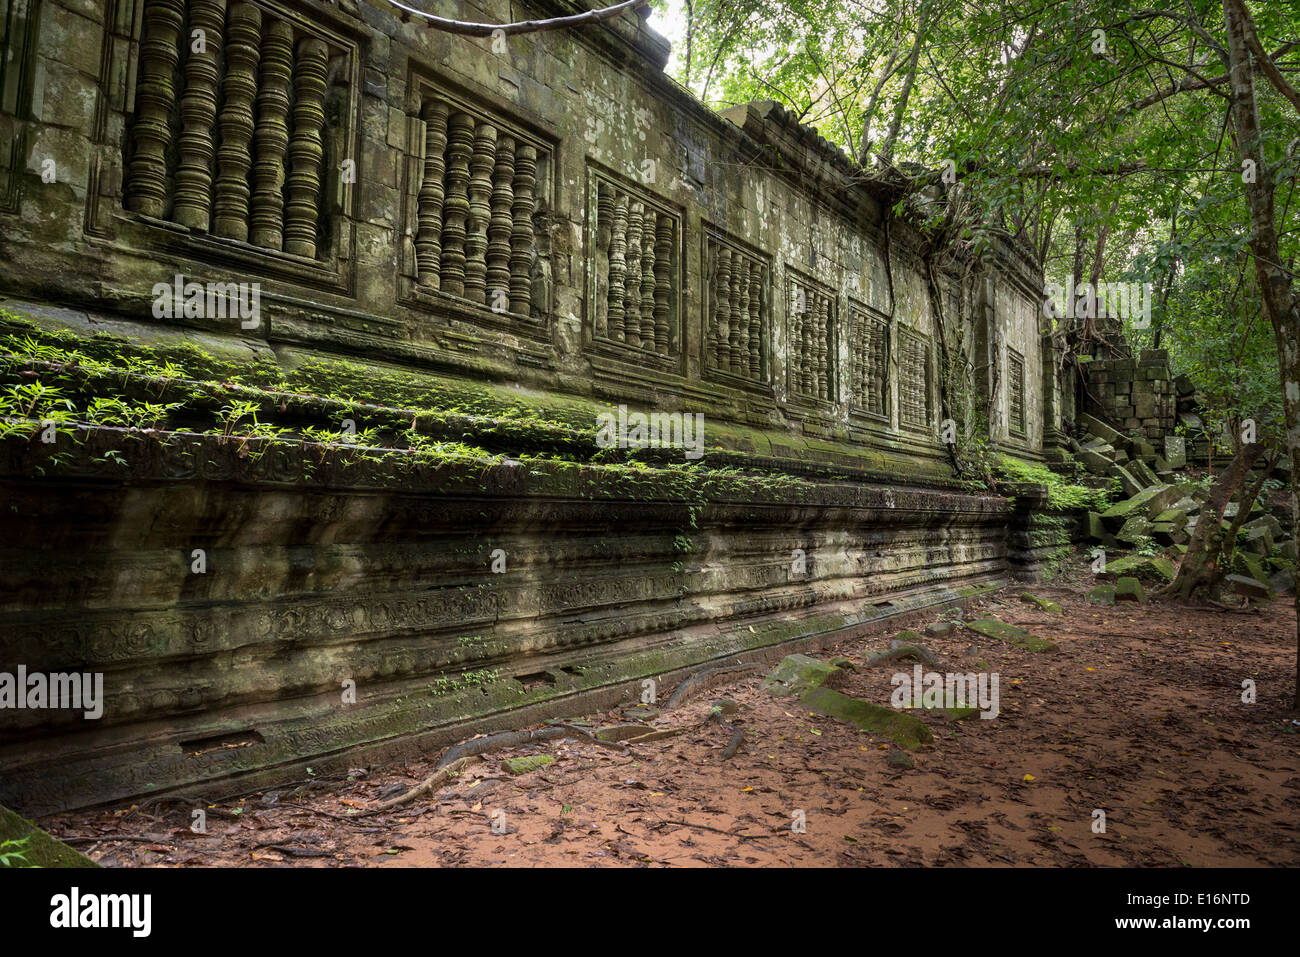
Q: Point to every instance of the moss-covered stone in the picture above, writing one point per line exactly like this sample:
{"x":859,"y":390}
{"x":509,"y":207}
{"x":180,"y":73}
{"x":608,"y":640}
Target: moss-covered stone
{"x":1130,"y":589}
{"x":903,"y":729}
{"x":38,"y":848}
{"x":528,"y":763}
{"x":1043,"y":604}
{"x":797,"y":673}
{"x":1102,"y":595}
{"x":1011,"y":634}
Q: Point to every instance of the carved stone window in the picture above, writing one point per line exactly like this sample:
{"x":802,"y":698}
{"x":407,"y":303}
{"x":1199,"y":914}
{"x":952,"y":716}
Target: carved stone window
{"x":482,"y":210}
{"x":870,"y":357}
{"x":635,"y":262}
{"x":18,"y":33}
{"x":229,"y":135}
{"x":736,"y":313}
{"x":1015,"y":392}
{"x":810,"y":343}
{"x":913,"y":381}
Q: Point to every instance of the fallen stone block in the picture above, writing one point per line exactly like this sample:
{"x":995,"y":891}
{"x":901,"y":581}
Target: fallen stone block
{"x":1102,"y":595}
{"x":941,"y":629}
{"x":529,"y":763}
{"x":1045,"y":604}
{"x":1130,"y":484}
{"x":1282,"y":582}
{"x":1147,"y":502}
{"x":1172,"y":516}
{"x":1012,"y":635}
{"x":1249,"y":587}
{"x":1135,"y":531}
{"x":797,"y":674}
{"x":904,"y":730}
{"x":1143,"y":473}
{"x":1249,"y":566}
{"x":1096,"y":461}
{"x":1130,"y":589}
{"x":1155,"y":567}
{"x":1100,"y":429}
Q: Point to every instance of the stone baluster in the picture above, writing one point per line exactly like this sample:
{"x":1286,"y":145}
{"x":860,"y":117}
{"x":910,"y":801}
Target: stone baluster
{"x":648,"y":280}
{"x":455,"y":207}
{"x":724,"y":309}
{"x":604,"y":234}
{"x":805,"y":342}
{"x":192,"y":205}
{"x":755,"y":320}
{"x":632,"y":294}
{"x":502,"y":222}
{"x":663,"y":282}
{"x":234,"y":157}
{"x":821,"y":372}
{"x":146,"y":190}
{"x":428,"y":235}
{"x":481,"y":164}
{"x":306,"y":149}
{"x":794,"y":352}
{"x":617,"y":265}
{"x":271,"y":137}
{"x":739,"y":314}
{"x":521,"y":233}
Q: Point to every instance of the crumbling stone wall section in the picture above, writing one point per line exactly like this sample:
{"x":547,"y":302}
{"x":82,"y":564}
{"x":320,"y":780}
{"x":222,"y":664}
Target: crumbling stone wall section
{"x":544,"y":207}
{"x":1135,"y":394}
{"x":547,"y":219}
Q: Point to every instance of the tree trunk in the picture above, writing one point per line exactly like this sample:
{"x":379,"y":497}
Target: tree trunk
{"x":1199,"y":572}
{"x":1278,"y":300}
{"x":1245,"y":502}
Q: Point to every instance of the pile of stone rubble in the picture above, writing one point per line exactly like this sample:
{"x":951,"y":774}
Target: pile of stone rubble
{"x":1155,"y":523}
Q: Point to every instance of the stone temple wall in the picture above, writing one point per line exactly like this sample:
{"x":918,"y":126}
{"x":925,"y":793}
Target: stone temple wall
{"x":537,"y":222}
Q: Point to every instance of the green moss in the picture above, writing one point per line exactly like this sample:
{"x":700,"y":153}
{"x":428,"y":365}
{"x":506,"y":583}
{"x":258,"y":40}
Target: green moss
{"x":23,"y":844}
{"x":992,"y":628}
{"x":1062,"y":495}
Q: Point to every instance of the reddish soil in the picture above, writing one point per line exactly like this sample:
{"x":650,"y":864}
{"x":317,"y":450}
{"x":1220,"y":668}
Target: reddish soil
{"x":1139,"y":713}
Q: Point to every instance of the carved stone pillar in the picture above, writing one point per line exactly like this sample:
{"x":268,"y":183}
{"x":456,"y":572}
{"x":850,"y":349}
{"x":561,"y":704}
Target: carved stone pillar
{"x":723,"y":297}
{"x":234,"y":158}
{"x":663,"y":282}
{"x":617,"y":266}
{"x":755,"y":320}
{"x":455,"y":209}
{"x":306,"y":150}
{"x":271,"y":136}
{"x":501,"y":225}
{"x":604,"y":233}
{"x":521,"y":234}
{"x":428,"y":236}
{"x":146,"y":190}
{"x":481,"y":164}
{"x":192,"y":204}
{"x":648,"y":280}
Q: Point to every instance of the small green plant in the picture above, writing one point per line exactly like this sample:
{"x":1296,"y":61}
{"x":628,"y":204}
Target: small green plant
{"x":13,"y":852}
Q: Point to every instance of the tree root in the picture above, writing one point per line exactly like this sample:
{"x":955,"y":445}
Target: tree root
{"x":512,"y":739}
{"x":431,"y":783}
{"x":700,"y":679}
{"x":899,"y":652}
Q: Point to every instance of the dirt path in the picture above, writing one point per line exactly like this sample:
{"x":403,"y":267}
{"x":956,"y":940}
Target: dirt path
{"x":1139,"y":714}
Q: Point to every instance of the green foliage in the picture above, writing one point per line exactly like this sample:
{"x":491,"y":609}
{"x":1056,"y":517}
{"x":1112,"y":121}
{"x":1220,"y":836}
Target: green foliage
{"x":13,"y":852}
{"x":1062,"y":496}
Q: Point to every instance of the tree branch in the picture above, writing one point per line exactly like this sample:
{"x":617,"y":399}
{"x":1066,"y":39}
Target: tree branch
{"x":467,"y":29}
